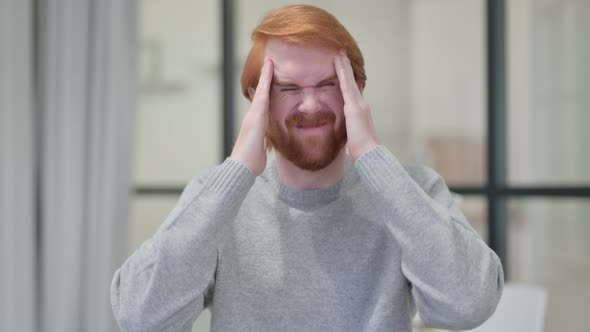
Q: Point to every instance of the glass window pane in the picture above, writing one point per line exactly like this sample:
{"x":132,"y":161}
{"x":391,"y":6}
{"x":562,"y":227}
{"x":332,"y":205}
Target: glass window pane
{"x":445,"y":117}
{"x":475,"y":210}
{"x":548,"y":246}
{"x":178,"y":131}
{"x":425,"y":68}
{"x":146,"y":214}
{"x":549,"y":76}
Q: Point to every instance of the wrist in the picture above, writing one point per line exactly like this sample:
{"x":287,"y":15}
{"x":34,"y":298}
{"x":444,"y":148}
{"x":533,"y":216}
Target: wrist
{"x":359,"y":151}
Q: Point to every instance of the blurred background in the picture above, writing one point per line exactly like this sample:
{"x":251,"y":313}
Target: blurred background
{"x":110,"y":107}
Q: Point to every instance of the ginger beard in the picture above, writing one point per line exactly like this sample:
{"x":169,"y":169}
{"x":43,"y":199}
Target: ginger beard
{"x":308,"y":152}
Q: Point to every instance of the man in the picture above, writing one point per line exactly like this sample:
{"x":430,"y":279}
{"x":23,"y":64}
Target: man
{"x":317,"y":240}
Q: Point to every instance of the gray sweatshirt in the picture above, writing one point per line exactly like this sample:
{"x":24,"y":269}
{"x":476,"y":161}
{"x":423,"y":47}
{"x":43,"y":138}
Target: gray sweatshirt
{"x":362,"y":255}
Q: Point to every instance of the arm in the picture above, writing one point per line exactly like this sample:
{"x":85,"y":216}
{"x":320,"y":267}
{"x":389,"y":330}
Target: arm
{"x":167,"y":282}
{"x":457,"y":279}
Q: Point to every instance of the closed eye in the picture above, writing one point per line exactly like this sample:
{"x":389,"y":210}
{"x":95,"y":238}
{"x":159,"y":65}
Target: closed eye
{"x":289,"y":89}
{"x":327,"y":85}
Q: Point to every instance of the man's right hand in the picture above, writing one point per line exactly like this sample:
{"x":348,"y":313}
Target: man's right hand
{"x":250,"y":148}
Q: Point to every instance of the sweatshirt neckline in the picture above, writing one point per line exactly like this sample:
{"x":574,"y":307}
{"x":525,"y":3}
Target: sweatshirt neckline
{"x":309,"y":198}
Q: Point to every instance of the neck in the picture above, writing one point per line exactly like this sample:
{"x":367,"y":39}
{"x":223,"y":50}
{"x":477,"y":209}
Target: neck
{"x":300,"y":179}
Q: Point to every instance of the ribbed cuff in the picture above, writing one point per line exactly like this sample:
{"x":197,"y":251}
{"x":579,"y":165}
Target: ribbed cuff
{"x":231,"y":180}
{"x":379,"y":168}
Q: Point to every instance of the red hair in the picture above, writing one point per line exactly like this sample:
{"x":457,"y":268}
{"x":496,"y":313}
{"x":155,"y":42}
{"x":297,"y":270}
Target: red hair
{"x":303,"y":25}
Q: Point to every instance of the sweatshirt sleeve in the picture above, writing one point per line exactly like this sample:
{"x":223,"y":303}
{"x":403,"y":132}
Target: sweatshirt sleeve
{"x":167,"y":282}
{"x":456,"y":279}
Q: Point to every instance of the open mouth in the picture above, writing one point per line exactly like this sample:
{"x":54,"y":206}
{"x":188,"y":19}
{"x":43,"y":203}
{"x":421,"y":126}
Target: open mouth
{"x":315,"y":124}
{"x":313,"y":129}
{"x":310,"y":126}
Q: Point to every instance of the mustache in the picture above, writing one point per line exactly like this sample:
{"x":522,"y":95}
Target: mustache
{"x":304,"y":120}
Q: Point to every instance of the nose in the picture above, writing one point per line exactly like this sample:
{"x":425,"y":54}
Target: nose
{"x":310,"y":101}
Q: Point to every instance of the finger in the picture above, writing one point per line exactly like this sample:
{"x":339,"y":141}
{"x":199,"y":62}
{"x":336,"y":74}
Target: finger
{"x":263,"y":88}
{"x":348,"y":86}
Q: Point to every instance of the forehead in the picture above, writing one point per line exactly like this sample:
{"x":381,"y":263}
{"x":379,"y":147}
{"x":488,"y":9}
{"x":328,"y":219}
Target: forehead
{"x":299,"y":64}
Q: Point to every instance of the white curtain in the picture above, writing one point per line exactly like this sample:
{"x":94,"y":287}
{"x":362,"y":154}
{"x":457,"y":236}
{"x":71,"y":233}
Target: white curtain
{"x":87,"y":92}
{"x":68,"y":97}
{"x":17,"y":193}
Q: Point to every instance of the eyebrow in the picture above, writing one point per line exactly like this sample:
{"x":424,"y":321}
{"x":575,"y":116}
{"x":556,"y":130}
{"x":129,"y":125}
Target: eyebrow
{"x":281,"y":83}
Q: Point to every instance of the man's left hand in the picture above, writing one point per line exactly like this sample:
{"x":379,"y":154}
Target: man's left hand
{"x":362,"y":136}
